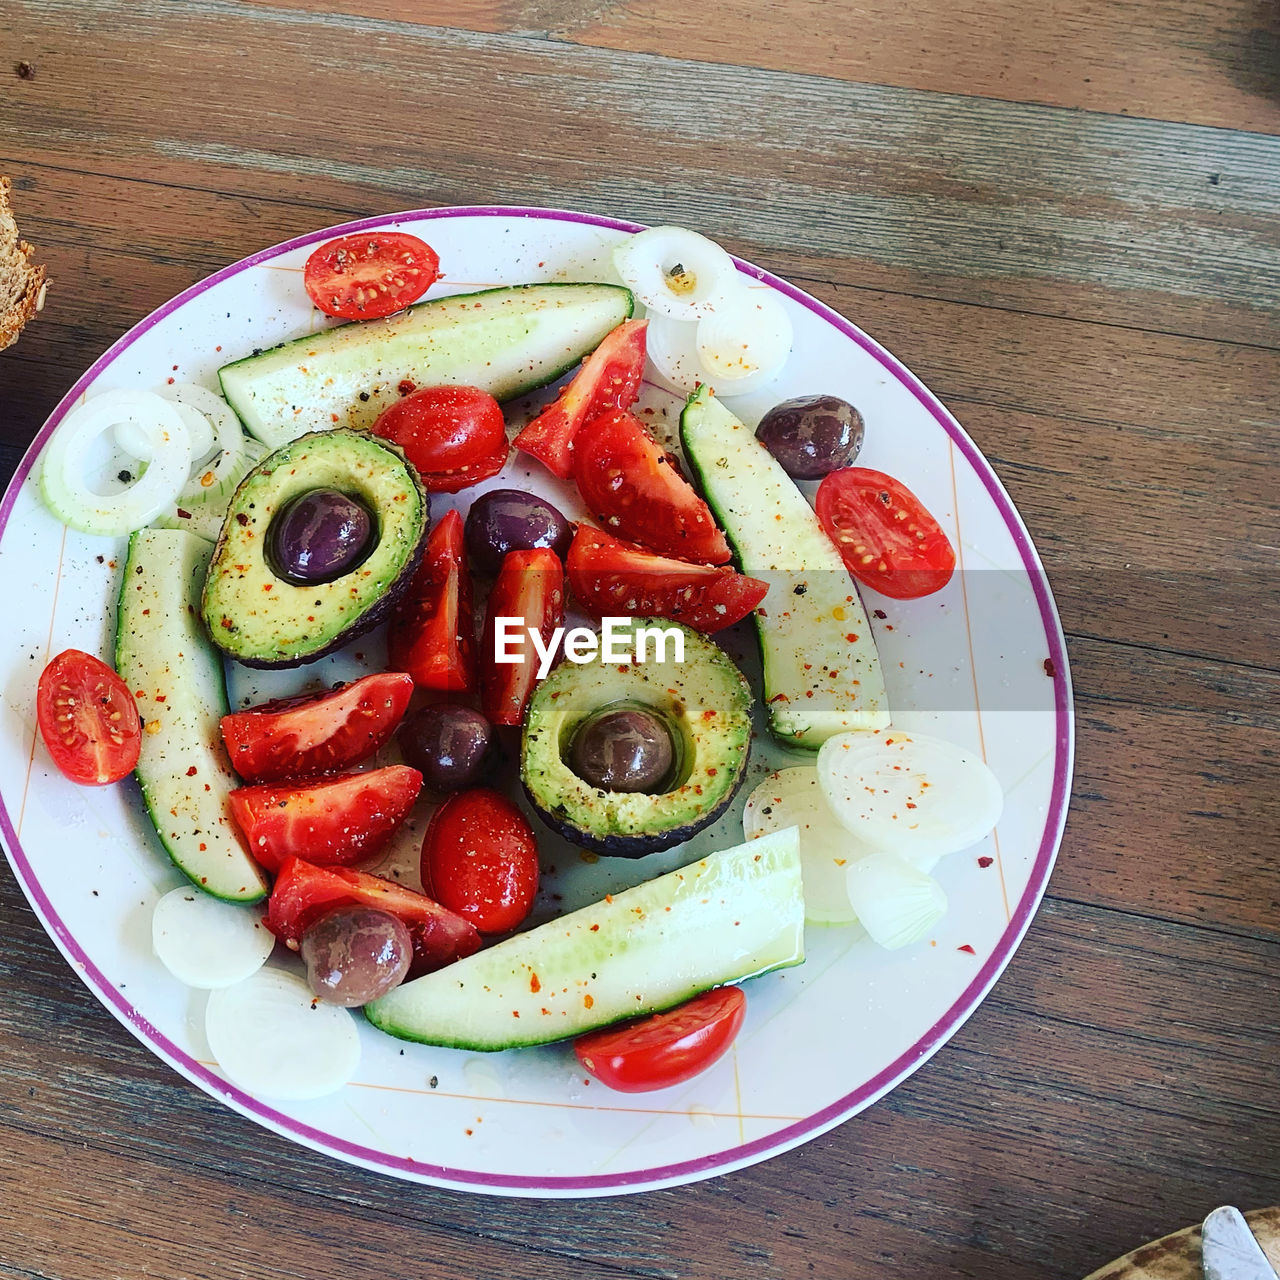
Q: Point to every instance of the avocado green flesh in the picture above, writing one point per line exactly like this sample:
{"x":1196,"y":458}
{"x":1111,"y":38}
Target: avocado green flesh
{"x":263,"y":619}
{"x":164,"y":657}
{"x":505,"y":341}
{"x":704,"y":701}
{"x":730,"y":916}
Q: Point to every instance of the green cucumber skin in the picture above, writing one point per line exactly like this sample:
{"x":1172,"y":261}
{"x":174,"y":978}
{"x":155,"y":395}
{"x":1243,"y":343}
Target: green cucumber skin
{"x":697,"y":933}
{"x":222,"y":870}
{"x":266,"y":426}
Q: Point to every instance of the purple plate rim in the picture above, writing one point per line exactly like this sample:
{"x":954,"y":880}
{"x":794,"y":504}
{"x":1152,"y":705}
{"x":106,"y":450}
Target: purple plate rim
{"x":640,"y":1179}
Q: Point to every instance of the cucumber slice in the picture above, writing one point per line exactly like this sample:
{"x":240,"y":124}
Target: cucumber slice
{"x":821,"y":670}
{"x":163,"y":655}
{"x":505,"y":341}
{"x":730,"y":916}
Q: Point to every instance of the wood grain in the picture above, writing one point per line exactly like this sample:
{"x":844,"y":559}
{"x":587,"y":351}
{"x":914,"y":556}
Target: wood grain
{"x":1209,"y":61}
{"x":1175,"y":220}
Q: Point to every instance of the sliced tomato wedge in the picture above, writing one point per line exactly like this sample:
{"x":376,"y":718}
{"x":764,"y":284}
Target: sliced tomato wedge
{"x":616,"y":578}
{"x":331,"y":821}
{"x":635,"y":489}
{"x":528,"y":592}
{"x":610,"y":378}
{"x":88,"y":719}
{"x":304,"y":892}
{"x":317,"y":733}
{"x":432,"y":633}
{"x":667,"y":1048}
{"x":454,"y":436}
{"x":886,"y":537}
{"x":371,"y":274}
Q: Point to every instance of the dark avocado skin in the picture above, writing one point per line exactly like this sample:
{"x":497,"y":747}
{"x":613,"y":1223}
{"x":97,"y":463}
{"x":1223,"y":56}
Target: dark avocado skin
{"x":373,"y":616}
{"x":634,"y":846}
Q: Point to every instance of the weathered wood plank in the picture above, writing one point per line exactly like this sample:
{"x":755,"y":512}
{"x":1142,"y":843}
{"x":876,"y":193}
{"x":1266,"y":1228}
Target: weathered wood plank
{"x":1207,"y":61}
{"x":1165,"y":225}
{"x":1115,"y":1085}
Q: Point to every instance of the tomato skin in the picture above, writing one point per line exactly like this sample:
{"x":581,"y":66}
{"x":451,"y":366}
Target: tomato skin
{"x":480,"y":859}
{"x":615,"y":578}
{"x":304,"y":892}
{"x":454,"y":436}
{"x":529,"y":586}
{"x":432,"y":632}
{"x":328,"y":821}
{"x":887,"y":538}
{"x":609,"y":378}
{"x":354,"y":277}
{"x":635,"y":489}
{"x":664,"y":1048}
{"x":318,"y":733}
{"x":88,"y":719}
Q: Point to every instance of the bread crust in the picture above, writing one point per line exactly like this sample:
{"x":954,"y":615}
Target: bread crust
{"x":22,"y":282}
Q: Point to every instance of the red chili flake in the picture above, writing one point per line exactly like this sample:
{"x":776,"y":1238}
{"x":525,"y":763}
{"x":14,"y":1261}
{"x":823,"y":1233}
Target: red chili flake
{"x":405,"y":387}
{"x":985,"y":862}
{"x":160,"y":697}
{"x":1049,"y":669}
{"x":534,"y":985}
{"x":852,"y":637}
{"x":595,"y":928}
{"x":184,"y":515}
{"x":880,"y":613}
{"x":967,"y":948}
{"x":779,"y":697}
{"x":191,"y":773}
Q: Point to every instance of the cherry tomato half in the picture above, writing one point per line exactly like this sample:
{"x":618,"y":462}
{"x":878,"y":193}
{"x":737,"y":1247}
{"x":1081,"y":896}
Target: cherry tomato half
{"x":634,"y":488}
{"x":318,"y":733}
{"x":330,"y":821}
{"x":88,"y":719}
{"x":454,"y":436}
{"x":611,"y":577}
{"x":371,"y":274}
{"x":480,"y":859}
{"x":666,"y":1048}
{"x":886,"y":537}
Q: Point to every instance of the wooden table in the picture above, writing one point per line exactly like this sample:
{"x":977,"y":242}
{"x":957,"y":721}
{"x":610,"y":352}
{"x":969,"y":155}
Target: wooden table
{"x":1064,"y":218}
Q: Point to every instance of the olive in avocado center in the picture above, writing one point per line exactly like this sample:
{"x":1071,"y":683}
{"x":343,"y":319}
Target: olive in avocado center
{"x":319,"y":536}
{"x":624,"y":750}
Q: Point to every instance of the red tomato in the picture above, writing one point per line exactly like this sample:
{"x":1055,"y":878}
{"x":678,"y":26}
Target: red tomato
{"x":609,"y":379}
{"x":370,"y":274}
{"x":666,"y":1048}
{"x":331,"y":821}
{"x":432,"y":632}
{"x":530,"y":589}
{"x":88,"y":719}
{"x":454,"y":436}
{"x":887,"y":538}
{"x":303,"y":893}
{"x":635,"y":489}
{"x":317,"y":733}
{"x":611,"y":577}
{"x":480,"y":859}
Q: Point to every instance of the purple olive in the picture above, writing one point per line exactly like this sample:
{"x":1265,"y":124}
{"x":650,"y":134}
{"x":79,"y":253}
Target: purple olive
{"x":812,"y":435}
{"x":623,"y":750}
{"x":505,"y":520}
{"x":319,"y":536}
{"x":452,"y":746}
{"x":356,"y":954}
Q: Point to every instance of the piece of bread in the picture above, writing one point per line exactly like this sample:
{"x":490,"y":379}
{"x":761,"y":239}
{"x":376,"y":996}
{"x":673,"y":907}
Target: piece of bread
{"x":22,"y":284}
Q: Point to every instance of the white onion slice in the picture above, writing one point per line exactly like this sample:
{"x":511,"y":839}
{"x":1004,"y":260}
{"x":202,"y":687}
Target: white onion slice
{"x":131,"y":439}
{"x":208,"y":943}
{"x":744,"y":343}
{"x":908,"y":793}
{"x":274,"y":1039}
{"x":675,"y":272}
{"x":226,"y":436}
{"x":672,"y":348}
{"x":168,"y":449}
{"x":792,"y":798}
{"x":896,"y":903}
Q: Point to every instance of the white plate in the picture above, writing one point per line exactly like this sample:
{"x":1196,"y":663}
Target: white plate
{"x":822,"y":1041}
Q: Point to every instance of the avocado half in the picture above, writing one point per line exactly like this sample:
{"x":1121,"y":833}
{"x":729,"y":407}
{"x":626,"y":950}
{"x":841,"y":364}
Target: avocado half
{"x":706,"y":704}
{"x":261,"y":619}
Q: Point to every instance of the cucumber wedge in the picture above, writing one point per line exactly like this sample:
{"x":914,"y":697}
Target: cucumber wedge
{"x":822,"y":673}
{"x":163,"y":655}
{"x":505,"y":341}
{"x":727,"y":917}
